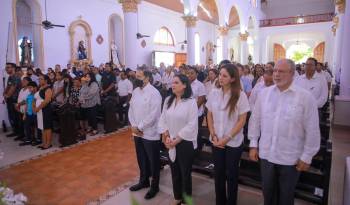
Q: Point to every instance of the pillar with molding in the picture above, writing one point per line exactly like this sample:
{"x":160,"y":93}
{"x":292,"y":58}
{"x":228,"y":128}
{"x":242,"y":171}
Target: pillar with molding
{"x":338,"y":29}
{"x":244,"y":47}
{"x":342,"y":102}
{"x":190,"y":31}
{"x":130,"y":28}
{"x":223,"y":31}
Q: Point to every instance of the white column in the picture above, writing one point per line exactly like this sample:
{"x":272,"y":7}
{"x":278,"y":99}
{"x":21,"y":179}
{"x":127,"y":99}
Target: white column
{"x":190,"y":30}
{"x":345,"y":59}
{"x":337,"y":29}
{"x":342,"y":102}
{"x":263,"y":49}
{"x":223,"y":31}
{"x":130,"y":29}
{"x":244,"y":47}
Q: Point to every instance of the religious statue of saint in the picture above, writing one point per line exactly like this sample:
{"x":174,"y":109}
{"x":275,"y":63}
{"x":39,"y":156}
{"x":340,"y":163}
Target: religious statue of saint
{"x":26,"y":52}
{"x":114,"y":54}
{"x":210,"y":51}
{"x":81,"y":51}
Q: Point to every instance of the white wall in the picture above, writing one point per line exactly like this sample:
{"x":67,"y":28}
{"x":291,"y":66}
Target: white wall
{"x":278,"y":34}
{"x":283,"y":8}
{"x":152,"y":18}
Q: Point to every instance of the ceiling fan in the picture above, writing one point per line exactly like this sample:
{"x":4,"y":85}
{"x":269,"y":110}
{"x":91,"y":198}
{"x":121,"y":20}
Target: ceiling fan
{"x":139,"y":36}
{"x":183,"y":42}
{"x":47,"y":24}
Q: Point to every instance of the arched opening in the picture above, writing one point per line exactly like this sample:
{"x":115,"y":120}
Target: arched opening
{"x":251,"y":40}
{"x":299,"y":52}
{"x":80,"y":36}
{"x":234,"y":40}
{"x":26,"y":12}
{"x":164,"y":37}
{"x":208,"y":11}
{"x":197,"y":50}
{"x":116,"y":46}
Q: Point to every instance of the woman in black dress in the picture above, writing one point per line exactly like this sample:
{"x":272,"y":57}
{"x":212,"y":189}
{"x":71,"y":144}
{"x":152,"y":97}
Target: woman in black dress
{"x":44,"y":111}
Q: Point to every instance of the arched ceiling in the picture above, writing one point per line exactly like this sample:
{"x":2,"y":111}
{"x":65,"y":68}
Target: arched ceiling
{"x":234,"y":18}
{"x":207,"y":9}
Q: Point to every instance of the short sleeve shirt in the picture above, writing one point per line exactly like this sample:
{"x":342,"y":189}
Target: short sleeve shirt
{"x":14,"y":81}
{"x":107,"y":80}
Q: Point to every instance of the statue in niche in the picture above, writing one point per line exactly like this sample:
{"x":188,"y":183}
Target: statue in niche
{"x":26,"y":52}
{"x":232,"y":54}
{"x":81,"y":51}
{"x":210,"y":51}
{"x":114,"y":54}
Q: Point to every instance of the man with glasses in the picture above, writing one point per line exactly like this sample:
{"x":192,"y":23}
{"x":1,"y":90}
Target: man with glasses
{"x":268,"y":81}
{"x":284,"y":133}
{"x":313,"y":82}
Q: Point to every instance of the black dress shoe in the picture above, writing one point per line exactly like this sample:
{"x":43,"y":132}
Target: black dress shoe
{"x":151,"y":193}
{"x":35,"y":143}
{"x":18,"y":138}
{"x":11,"y":135}
{"x":25,"y":143}
{"x":138,"y":186}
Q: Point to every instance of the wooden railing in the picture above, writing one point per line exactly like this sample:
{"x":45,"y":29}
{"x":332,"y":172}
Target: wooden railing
{"x":297,"y":20}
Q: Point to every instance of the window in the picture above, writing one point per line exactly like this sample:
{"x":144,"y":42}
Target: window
{"x":218,"y":50}
{"x":197,"y":50}
{"x":164,"y":37}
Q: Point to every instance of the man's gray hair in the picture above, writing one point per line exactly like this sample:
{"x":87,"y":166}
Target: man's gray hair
{"x":289,"y":62}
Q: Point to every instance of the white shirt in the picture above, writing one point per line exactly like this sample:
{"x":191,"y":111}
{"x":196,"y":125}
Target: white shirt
{"x":327,"y":76}
{"x":317,"y":85}
{"x":209,"y":86}
{"x":198,"y":90}
{"x":56,"y":87}
{"x":167,"y":80}
{"x":157,"y":79}
{"x":124,"y":87}
{"x":223,"y":123}
{"x":22,"y":96}
{"x":287,"y":124}
{"x":144,"y":111}
{"x":255,"y":92}
{"x":180,"y":120}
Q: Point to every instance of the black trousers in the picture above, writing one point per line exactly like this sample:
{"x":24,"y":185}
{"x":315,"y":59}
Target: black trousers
{"x":199,"y":136}
{"x":148,"y":159}
{"x":12,"y":115}
{"x":181,"y":169}
{"x":278,"y":183}
{"x":123,"y":111}
{"x":90,"y":114}
{"x":29,"y":127}
{"x":226,"y":170}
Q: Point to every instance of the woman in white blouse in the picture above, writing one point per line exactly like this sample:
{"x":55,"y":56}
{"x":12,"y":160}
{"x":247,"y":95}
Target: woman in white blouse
{"x":179,"y":127}
{"x":227,"y":112}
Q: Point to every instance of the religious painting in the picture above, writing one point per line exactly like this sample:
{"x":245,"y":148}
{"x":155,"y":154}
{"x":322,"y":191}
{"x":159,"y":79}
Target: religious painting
{"x":80,"y":42}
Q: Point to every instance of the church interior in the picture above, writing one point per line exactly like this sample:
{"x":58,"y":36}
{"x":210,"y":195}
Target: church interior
{"x":67,"y":142}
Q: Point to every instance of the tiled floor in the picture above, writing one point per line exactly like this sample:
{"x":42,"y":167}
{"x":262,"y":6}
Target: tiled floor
{"x":76,"y":175}
{"x":86,"y":172}
{"x":203,"y":193}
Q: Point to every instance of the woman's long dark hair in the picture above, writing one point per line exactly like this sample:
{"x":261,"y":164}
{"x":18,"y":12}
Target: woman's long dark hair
{"x":235,"y":87}
{"x":92,"y":78}
{"x":188,"y":90}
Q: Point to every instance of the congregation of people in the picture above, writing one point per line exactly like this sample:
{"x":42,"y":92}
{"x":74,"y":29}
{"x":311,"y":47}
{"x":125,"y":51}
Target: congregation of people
{"x":274,"y":105}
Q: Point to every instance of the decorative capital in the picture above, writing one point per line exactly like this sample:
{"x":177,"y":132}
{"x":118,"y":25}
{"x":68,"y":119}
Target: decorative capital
{"x":340,"y":4}
{"x":129,"y":6}
{"x":190,"y":20}
{"x":223,"y":30}
{"x":243,"y":36}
